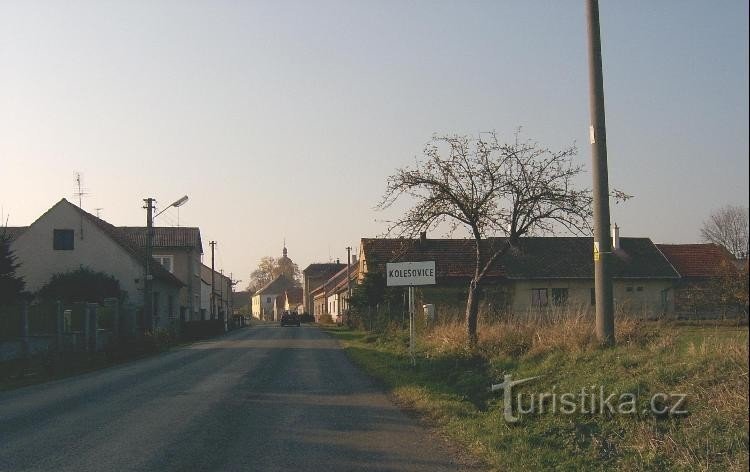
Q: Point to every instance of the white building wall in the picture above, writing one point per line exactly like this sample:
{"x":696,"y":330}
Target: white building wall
{"x":92,"y":248}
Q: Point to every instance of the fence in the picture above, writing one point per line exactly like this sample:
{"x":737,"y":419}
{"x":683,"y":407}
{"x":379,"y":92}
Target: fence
{"x":28,"y":329}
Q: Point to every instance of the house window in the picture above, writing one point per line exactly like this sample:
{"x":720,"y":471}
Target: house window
{"x":628,"y":289}
{"x":639,"y":289}
{"x":559,"y":296}
{"x":539,"y":296}
{"x":170,"y":307}
{"x":62,"y":239}
{"x":166,"y":261}
{"x":268,"y":299}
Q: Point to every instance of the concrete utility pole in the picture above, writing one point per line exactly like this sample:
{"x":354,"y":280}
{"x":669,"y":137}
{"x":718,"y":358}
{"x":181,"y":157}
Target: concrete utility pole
{"x":605,"y":320}
{"x":348,"y":279}
{"x":213,"y":246}
{"x":148,"y":299}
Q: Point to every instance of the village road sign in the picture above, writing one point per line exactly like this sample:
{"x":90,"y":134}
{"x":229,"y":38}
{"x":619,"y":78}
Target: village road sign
{"x":410,"y":273}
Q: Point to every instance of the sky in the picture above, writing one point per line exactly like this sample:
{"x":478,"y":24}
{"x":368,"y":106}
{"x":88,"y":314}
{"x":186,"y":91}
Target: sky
{"x":281,"y":120}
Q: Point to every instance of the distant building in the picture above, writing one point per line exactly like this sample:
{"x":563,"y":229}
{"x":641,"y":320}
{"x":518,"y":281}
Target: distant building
{"x":313,"y":277}
{"x":264,"y":300}
{"x":703,"y":268}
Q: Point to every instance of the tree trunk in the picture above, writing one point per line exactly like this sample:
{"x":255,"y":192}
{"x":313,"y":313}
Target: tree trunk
{"x":472,"y":313}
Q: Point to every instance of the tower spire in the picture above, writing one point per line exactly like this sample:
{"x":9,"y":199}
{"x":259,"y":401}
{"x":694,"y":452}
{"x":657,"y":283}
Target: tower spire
{"x":284,"y":252}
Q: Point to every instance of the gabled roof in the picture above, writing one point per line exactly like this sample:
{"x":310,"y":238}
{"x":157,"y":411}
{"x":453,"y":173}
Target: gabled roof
{"x":322,"y":269}
{"x":698,"y":260}
{"x":294,"y":295}
{"x":531,"y":258}
{"x":119,"y":238}
{"x":339,"y":282}
{"x":277,"y":286}
{"x":172,"y":237}
{"x":241,"y":298}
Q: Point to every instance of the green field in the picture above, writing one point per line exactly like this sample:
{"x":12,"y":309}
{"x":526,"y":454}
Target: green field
{"x":449,"y":388}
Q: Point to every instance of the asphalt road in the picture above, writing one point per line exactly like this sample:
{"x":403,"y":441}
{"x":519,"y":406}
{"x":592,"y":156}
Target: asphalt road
{"x":260,"y":399}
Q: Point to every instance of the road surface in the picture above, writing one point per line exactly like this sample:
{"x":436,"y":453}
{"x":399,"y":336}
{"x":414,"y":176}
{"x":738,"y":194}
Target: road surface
{"x":264,"y":398}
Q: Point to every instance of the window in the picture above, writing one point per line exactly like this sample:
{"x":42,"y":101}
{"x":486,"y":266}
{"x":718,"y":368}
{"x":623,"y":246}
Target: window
{"x":62,"y":239}
{"x":170,"y":307}
{"x":166,"y":261}
{"x":593,"y":297}
{"x":539,"y":296}
{"x":268,"y":299}
{"x":559,"y":296}
{"x":628,"y":289}
{"x":639,"y":289}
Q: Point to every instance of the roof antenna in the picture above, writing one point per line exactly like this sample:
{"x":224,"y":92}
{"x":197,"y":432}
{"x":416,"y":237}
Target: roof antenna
{"x":80,"y":193}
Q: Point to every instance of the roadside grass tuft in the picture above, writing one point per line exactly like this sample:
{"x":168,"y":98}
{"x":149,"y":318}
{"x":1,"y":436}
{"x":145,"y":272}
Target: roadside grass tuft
{"x":449,"y":387}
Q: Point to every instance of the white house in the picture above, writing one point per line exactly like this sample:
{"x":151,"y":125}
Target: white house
{"x":66,"y":238}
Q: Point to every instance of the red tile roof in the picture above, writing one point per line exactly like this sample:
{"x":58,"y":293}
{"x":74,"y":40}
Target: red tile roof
{"x":530,"y":258}
{"x":698,"y":260}
{"x":165,"y":236}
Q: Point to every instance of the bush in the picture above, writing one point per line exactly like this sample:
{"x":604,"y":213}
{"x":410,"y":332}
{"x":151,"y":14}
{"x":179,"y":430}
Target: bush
{"x":306,"y":318}
{"x":80,"y":285}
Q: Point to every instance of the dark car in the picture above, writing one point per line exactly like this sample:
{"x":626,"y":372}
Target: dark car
{"x":290,"y":319}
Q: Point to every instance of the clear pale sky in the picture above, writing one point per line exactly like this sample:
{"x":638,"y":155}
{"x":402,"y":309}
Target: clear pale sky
{"x":282,"y":119}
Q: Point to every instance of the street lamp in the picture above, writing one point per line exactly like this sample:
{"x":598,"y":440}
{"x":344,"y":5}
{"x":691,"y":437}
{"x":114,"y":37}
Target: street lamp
{"x":148,"y":300}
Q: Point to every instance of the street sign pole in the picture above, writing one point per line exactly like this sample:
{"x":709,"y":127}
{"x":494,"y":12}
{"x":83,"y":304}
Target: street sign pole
{"x":410,"y":274}
{"x":411,"y":325}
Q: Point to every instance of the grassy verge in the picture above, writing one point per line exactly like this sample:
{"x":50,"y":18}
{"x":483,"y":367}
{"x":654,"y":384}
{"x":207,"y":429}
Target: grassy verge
{"x":449,"y":386}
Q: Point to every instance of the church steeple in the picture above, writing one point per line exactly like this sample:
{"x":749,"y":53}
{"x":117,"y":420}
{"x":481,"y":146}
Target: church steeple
{"x":284,"y":252}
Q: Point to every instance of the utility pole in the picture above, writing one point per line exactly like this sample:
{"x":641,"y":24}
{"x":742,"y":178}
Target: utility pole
{"x":348,"y":280}
{"x":213,"y":246}
{"x":605,"y":322}
{"x":148,"y":299}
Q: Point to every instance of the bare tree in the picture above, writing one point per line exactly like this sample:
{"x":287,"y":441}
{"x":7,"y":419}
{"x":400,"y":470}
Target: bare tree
{"x":728,"y":226}
{"x":489,"y":188}
{"x":269,"y":268}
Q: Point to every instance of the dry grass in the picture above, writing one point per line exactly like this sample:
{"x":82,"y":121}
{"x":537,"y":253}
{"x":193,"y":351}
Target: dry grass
{"x":536,"y":333}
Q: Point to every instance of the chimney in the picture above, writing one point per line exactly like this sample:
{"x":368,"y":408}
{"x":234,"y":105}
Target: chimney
{"x":338,"y":261}
{"x":422,"y":237}
{"x":615,"y":237}
{"x":354,"y":259}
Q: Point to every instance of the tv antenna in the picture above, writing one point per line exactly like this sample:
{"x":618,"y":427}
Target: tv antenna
{"x":80,"y":191}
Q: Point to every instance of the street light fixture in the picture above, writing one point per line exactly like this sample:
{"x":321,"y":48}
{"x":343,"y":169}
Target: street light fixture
{"x":148,"y":300}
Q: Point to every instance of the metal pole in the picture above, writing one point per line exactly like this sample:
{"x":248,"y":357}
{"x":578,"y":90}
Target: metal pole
{"x":147,"y":283}
{"x":605,"y":324}
{"x":348,"y":280}
{"x":411,"y":325}
{"x":213,"y":246}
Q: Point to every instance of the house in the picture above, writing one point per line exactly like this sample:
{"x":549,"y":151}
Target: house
{"x":241,"y":303}
{"x":539,"y":274}
{"x":178,"y":250}
{"x":293,"y":300}
{"x":222,"y":298}
{"x":337,"y":293}
{"x":66,"y":237}
{"x":313,"y":276}
{"x":705,"y":270}
{"x":264,"y":300}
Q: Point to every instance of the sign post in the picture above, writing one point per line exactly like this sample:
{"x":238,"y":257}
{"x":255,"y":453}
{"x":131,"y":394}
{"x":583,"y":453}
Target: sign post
{"x":400,"y":274}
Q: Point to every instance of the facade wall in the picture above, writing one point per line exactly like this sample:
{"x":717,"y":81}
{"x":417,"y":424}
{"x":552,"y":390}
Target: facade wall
{"x":92,"y":248}
{"x":185,"y":266}
{"x":639,"y":297}
{"x":263,"y":305}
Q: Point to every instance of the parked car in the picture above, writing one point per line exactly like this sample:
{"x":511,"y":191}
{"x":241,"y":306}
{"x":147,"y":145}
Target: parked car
{"x":290,"y":319}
